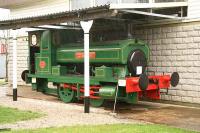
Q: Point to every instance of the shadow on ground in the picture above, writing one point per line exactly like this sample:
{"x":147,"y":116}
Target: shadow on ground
{"x":172,"y":115}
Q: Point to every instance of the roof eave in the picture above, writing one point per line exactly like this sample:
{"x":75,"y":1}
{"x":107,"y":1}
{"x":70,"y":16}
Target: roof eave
{"x":61,"y":17}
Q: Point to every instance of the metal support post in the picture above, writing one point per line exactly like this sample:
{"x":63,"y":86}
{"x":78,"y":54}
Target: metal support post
{"x":86,"y":25}
{"x":14,"y":66}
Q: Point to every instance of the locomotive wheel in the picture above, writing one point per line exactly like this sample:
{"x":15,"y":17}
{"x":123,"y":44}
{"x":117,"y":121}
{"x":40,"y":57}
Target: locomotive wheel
{"x":96,"y":102}
{"x":66,"y":95}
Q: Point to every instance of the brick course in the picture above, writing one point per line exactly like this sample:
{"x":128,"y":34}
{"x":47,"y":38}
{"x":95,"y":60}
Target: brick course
{"x":175,"y":48}
{"x":22,"y":57}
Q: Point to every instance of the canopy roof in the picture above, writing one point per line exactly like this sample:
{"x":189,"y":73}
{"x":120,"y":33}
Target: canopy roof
{"x":56,"y":18}
{"x":142,"y":14}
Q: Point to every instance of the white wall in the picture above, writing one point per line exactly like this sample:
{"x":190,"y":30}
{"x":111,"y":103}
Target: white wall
{"x":2,"y":65}
{"x":40,"y":8}
{"x":4,"y":14}
{"x":194,"y":8}
{"x":80,"y":4}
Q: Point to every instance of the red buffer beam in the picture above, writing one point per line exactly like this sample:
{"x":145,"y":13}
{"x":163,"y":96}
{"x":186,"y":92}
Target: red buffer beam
{"x":151,"y":85}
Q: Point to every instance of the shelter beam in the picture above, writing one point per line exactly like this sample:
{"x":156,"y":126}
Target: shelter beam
{"x":151,"y":14}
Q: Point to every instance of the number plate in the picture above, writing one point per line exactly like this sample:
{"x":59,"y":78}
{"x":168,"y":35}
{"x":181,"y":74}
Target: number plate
{"x":121,"y":82}
{"x":139,"y":70}
{"x":33,"y":80}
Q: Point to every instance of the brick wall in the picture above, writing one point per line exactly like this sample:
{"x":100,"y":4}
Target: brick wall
{"x":175,"y":48}
{"x":22,"y":52}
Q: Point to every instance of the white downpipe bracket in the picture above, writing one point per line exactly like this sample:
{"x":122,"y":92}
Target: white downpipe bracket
{"x":86,"y":25}
{"x":14,"y":65}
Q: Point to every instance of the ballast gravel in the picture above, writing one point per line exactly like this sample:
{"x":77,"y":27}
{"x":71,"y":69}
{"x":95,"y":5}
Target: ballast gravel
{"x":58,"y":114}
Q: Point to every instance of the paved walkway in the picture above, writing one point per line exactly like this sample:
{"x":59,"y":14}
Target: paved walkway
{"x":71,"y":114}
{"x":58,"y":114}
{"x":3,"y":89}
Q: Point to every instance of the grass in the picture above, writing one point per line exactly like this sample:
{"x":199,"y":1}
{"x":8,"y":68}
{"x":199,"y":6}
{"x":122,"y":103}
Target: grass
{"x":12,"y":115}
{"x":2,"y":82}
{"x":116,"y":128}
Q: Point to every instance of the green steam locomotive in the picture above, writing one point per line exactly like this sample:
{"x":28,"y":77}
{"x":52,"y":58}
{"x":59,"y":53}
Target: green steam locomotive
{"x":118,"y":69}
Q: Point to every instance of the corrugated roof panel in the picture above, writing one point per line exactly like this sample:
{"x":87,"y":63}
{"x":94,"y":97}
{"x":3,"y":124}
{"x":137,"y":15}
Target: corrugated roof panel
{"x":51,"y":14}
{"x":60,"y":17}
